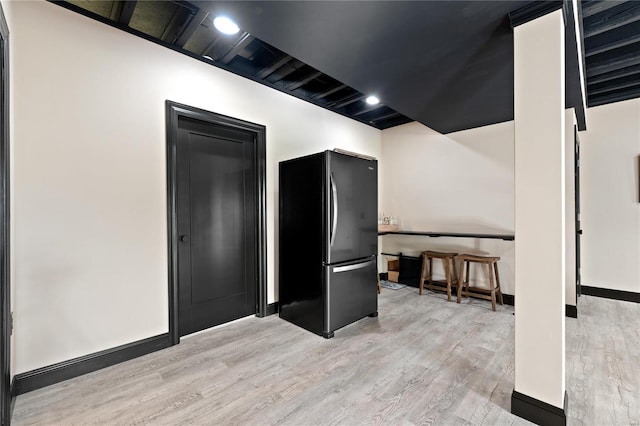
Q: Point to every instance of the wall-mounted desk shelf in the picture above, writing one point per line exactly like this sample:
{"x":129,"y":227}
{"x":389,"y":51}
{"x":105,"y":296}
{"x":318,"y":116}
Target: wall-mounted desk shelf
{"x":410,"y":266}
{"x":505,"y":237}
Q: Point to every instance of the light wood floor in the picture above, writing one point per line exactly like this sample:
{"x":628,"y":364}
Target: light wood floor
{"x":603,"y":363}
{"x":422,"y":361}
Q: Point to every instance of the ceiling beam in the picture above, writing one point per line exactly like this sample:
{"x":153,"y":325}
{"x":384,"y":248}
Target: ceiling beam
{"x":242,"y":42}
{"x":128,"y":6}
{"x":169,"y":28}
{"x":195,"y":22}
{"x":593,"y":7}
{"x":613,"y":64}
{"x":367,"y":108}
{"x":613,"y":97}
{"x":210,"y":47}
{"x":267,"y":71}
{"x":613,"y":75}
{"x":116,"y":7}
{"x":392,"y":122}
{"x":301,"y":82}
{"x":282,"y":72}
{"x":331,"y":91}
{"x":608,"y":23}
{"x":633,"y":38}
{"x":613,"y":86}
{"x":348,"y":101}
{"x":385,"y":116}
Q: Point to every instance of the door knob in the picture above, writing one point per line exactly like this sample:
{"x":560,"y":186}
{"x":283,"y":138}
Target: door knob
{"x":184,"y":238}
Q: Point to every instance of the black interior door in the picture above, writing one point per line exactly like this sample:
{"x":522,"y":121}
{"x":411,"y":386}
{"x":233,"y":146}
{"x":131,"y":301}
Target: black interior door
{"x":216,"y":223}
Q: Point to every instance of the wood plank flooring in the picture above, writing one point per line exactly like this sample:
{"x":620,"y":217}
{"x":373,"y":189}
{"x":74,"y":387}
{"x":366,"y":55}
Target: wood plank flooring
{"x":603,"y":363}
{"x":422,"y":361}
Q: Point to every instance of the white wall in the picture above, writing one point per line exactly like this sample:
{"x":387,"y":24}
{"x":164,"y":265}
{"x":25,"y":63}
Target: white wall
{"x":89,"y":222}
{"x":459,"y":182}
{"x":88,"y":183}
{"x":570,"y":207}
{"x":610,"y":208}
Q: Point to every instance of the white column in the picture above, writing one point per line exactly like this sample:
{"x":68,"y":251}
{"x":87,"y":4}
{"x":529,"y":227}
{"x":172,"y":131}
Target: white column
{"x":539,"y":103}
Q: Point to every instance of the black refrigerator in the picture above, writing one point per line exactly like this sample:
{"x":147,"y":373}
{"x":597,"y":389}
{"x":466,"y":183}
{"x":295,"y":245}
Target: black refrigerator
{"x":328,"y":241}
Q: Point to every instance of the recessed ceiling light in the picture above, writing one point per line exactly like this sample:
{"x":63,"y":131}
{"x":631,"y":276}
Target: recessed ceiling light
{"x":372,"y":100}
{"x":225,"y":25}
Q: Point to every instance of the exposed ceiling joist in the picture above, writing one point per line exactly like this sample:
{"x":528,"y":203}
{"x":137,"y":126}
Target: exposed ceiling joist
{"x":267,"y":71}
{"x":331,"y":91}
{"x":239,"y":45}
{"x":613,"y":97}
{"x":608,"y":65}
{"x":355,"y":98}
{"x":392,"y":121}
{"x":612,"y":50}
{"x":614,"y":75}
{"x":612,"y":19}
{"x":116,"y":9}
{"x":301,"y":82}
{"x":366,"y":109}
{"x":210,"y":47}
{"x":169,"y":29}
{"x":387,"y":116}
{"x":611,"y":45}
{"x":590,"y":8}
{"x":188,"y":31}
{"x":282,"y":72}
{"x":128,"y":6}
{"x":346,"y":97}
{"x":618,"y":85}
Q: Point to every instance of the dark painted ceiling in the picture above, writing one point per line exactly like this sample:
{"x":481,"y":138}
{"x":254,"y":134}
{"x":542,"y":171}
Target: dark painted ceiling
{"x":188,"y":29}
{"x":612,"y":50}
{"x":446,"y":64}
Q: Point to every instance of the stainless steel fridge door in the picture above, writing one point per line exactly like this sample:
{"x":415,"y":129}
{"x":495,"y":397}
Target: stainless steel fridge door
{"x":352,"y":208}
{"x":351,"y":293}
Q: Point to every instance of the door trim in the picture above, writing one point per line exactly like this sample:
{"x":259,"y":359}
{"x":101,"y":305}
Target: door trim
{"x":577,"y":208}
{"x":5,"y":227}
{"x":174,"y":111}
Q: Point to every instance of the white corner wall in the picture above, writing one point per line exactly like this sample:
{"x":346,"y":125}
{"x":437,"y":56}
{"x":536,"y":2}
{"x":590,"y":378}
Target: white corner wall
{"x":89,"y":237}
{"x":610,"y":208}
{"x":458,"y":182}
{"x":570,"y":207}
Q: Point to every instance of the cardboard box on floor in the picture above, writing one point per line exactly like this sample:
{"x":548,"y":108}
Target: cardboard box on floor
{"x":393,"y":269}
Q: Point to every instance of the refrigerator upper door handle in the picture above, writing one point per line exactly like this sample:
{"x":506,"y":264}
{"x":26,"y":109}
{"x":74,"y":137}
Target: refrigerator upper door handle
{"x":353,"y":267}
{"x":334,"y":206}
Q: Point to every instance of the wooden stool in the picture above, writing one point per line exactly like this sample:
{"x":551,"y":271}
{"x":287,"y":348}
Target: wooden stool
{"x":494,"y":284}
{"x":451,"y":279}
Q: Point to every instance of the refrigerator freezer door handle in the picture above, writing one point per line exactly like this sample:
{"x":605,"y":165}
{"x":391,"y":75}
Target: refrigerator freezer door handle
{"x":353,"y":267}
{"x":334,"y":206}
